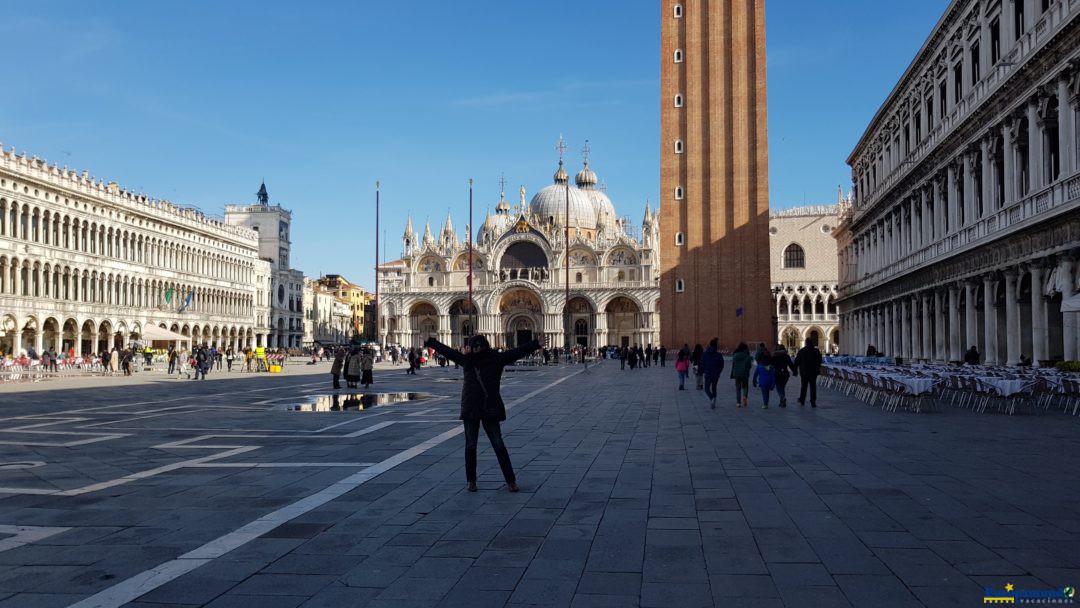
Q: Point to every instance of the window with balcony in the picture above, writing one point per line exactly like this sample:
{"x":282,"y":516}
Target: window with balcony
{"x":995,"y":40}
{"x":975,"y":70}
{"x":794,"y":256}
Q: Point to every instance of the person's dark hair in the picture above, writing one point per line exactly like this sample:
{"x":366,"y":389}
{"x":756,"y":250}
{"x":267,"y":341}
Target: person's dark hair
{"x":714,"y":343}
{"x":683,"y":356}
{"x":742,"y":348}
{"x":478,"y":341}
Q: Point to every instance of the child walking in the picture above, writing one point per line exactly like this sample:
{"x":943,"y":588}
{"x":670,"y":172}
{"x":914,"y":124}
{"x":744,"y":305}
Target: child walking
{"x":765,"y":379}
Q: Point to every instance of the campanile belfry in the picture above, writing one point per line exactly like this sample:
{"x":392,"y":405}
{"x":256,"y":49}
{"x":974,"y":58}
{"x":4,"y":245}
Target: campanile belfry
{"x":714,"y":180}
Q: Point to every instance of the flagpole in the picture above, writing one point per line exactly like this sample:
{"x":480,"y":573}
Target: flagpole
{"x":566,"y":256}
{"x":469,"y":230}
{"x":375,"y":308}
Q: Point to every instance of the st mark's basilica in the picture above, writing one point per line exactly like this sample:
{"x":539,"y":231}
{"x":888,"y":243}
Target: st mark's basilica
{"x":519,"y":274}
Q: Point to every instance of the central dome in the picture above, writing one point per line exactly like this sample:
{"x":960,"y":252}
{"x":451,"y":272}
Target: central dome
{"x":550,"y":204}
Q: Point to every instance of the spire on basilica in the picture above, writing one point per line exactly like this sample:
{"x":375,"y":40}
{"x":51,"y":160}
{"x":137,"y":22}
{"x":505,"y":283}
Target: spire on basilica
{"x":560,"y":176}
{"x":503,"y":207}
{"x":586,"y":178}
{"x":408,"y":228}
{"x":428,"y":238}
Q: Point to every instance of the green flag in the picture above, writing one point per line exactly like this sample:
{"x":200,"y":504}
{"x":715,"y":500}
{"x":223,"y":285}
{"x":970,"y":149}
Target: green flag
{"x":168,"y":296}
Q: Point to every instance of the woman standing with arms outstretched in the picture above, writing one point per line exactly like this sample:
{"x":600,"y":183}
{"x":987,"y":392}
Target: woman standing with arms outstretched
{"x":481,"y":403}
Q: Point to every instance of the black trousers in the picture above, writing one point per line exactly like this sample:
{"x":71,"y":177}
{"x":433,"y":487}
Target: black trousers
{"x":337,"y":380}
{"x":811,"y":381}
{"x":494,"y":433}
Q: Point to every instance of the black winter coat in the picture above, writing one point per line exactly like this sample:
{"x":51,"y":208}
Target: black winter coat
{"x":808,"y":361}
{"x":480,"y":392}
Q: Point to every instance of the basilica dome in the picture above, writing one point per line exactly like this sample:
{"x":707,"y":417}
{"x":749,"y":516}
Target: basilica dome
{"x":606,"y":219}
{"x":550,"y":203}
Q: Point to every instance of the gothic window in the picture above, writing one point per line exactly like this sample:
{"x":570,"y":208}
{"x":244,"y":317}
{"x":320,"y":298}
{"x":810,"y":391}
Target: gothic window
{"x":578,"y":278}
{"x":431,"y":281}
{"x":678,"y":55}
{"x":794,"y":256}
{"x":581,"y":327}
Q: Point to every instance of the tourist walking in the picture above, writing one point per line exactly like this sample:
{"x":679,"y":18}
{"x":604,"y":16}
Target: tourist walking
{"x":808,"y":363}
{"x":367,"y":363}
{"x":337,"y":366}
{"x":712,"y":364}
{"x":481,"y":401}
{"x":695,"y":359}
{"x":622,"y":358}
{"x":413,"y":361}
{"x":783,"y":366}
{"x":740,"y":372}
{"x":352,"y":368}
{"x":229,"y":356}
{"x":648,"y":355}
{"x":663,"y":356}
{"x":682,"y":367}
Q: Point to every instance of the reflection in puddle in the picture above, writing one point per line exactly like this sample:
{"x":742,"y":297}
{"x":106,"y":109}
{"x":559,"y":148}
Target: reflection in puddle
{"x":354,"y":401}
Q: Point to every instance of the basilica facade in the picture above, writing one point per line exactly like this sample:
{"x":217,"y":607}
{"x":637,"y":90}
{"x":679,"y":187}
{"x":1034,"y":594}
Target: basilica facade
{"x":520,"y":268}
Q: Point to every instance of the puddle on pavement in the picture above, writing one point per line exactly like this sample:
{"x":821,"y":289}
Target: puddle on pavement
{"x":354,"y":402}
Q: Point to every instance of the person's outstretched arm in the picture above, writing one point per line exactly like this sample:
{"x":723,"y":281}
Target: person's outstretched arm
{"x":454,"y":355}
{"x":514,"y":354}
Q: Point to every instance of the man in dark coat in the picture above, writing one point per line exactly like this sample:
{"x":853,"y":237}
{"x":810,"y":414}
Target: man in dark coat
{"x":712,"y":363}
{"x":481,"y":402}
{"x":663,"y":355}
{"x":808,"y":362}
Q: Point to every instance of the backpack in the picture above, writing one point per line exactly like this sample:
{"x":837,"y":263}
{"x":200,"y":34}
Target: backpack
{"x":766,"y":376}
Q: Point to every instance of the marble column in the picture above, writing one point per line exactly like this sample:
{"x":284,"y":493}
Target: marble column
{"x":916,"y":332}
{"x":1035,"y":147}
{"x":1070,"y":320}
{"x":990,"y":320}
{"x":905,"y":329}
{"x":955,"y":350}
{"x":952,"y":204}
{"x":926,"y":235}
{"x":939,"y":326}
{"x":971,"y":314}
{"x":927,"y":344}
{"x":986,"y":178}
{"x":1008,"y":36}
{"x":969,"y":189}
{"x":939,"y":208}
{"x":1008,"y":149}
{"x":1038,"y":316}
{"x":1066,"y":126}
{"x":887,"y":347}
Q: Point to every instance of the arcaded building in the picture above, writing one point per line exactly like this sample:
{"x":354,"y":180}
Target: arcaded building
{"x":714,"y":183}
{"x":804,"y":275}
{"x":519,"y":263}
{"x":965,"y":225}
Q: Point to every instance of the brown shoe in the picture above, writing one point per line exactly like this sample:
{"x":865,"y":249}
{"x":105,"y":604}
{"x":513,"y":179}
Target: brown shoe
{"x":472,"y":486}
{"x":512,"y":487}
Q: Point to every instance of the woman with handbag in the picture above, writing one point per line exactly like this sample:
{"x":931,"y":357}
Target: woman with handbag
{"x":481,"y":403}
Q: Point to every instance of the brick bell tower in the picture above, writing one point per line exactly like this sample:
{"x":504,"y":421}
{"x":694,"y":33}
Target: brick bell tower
{"x":714,"y":180}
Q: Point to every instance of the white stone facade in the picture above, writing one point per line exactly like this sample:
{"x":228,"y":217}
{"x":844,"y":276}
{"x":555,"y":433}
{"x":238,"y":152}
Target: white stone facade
{"x":965,"y":222}
{"x":272,"y":223}
{"x":86,"y":265}
{"x":804,"y":275}
{"x":327,"y":319}
{"x":519,"y":268}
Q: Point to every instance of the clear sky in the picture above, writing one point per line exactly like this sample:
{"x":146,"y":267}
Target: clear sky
{"x":198,"y":101}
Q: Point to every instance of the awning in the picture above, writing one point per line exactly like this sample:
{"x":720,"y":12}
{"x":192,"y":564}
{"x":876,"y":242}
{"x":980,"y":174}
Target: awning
{"x":153,"y":332}
{"x":1072,"y":304}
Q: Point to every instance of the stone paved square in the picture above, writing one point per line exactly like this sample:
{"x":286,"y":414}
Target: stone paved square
{"x":217,"y":494}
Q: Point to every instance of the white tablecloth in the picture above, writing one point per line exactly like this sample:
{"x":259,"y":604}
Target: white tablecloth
{"x":1007,"y":387}
{"x":916,"y":386}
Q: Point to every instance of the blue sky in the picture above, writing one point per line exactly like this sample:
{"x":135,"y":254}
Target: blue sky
{"x":198,"y":101}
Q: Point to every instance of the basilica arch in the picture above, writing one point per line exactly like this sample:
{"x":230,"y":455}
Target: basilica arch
{"x":622,"y":321}
{"x":521,"y":316}
{"x":424,"y":320}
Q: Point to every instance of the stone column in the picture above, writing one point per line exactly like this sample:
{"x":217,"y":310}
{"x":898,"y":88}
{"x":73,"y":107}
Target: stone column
{"x":1069,"y":320}
{"x":1008,"y":147}
{"x":986,"y":180}
{"x":971,"y":314}
{"x":39,"y":337}
{"x":905,"y":329}
{"x":927,"y":345}
{"x":940,"y":352}
{"x":1066,"y":126}
{"x":1035,"y":144}
{"x":1038,"y":316}
{"x":969,"y":189}
{"x":990,"y":320}
{"x":926,"y":236}
{"x":887,"y":347}
{"x":916,"y":332}
{"x":940,"y":208}
{"x":954,"y":323}
{"x":951,"y":193}
{"x":898,"y":328}
{"x":875,"y":319}
{"x":1008,"y":36}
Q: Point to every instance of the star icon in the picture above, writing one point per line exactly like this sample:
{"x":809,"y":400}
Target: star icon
{"x":1009,"y":587}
